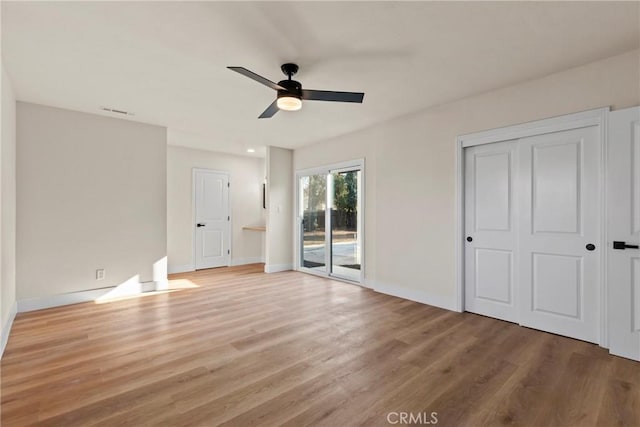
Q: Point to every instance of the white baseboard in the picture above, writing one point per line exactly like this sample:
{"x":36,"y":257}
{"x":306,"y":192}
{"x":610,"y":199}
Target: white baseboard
{"x":127,"y":289}
{"x":173,"y":269}
{"x":447,"y":303}
{"x":275,"y":268}
{"x":158,"y":285}
{"x":368,"y":283}
{"x":248,"y":260}
{"x":39,"y":303}
{"x":6,"y":328}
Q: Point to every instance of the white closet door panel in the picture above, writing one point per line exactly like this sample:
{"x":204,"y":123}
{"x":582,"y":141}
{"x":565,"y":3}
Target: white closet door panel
{"x":623,"y":217}
{"x":557,"y":285}
{"x":493,"y":275}
{"x":489,"y":218}
{"x":559,"y":215}
{"x":634,"y":170}
{"x":635,"y":285}
{"x":556,"y":173}
{"x":492,"y":182}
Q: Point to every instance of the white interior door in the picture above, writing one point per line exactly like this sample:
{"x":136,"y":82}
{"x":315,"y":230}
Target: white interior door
{"x":623,"y":216}
{"x":559,"y":232}
{"x":490,"y":257}
{"x":212,"y":219}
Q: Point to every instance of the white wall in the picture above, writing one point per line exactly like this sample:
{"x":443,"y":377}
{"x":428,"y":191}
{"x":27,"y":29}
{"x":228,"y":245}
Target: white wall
{"x":91,"y":194}
{"x":8,"y":211}
{"x":246,"y":176}
{"x":279,"y":239}
{"x":410,"y":169}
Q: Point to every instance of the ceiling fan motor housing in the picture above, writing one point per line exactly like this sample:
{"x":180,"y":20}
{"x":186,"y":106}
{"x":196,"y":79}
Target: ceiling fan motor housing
{"x":293,"y":88}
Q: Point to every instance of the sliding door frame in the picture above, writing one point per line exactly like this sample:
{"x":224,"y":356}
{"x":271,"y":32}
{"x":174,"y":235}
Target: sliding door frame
{"x":596,"y":117}
{"x":358,"y":164}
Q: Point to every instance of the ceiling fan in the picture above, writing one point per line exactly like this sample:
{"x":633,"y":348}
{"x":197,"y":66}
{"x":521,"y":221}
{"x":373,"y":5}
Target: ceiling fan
{"x":290,"y":92}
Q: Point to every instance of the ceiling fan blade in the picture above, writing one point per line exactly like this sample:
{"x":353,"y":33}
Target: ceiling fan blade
{"x":256,"y":77}
{"x":328,"y":95}
{"x":270,"y":111}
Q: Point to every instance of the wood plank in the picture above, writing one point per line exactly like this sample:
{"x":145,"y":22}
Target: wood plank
{"x":241,"y":347}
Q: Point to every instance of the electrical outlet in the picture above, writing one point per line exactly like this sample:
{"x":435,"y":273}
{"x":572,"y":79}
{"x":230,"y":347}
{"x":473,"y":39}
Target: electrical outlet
{"x":100,"y":274}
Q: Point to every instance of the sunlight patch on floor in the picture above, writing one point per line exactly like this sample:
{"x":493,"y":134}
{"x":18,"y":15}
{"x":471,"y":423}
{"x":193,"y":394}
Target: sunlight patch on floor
{"x":132,"y":288}
{"x":177,"y":284}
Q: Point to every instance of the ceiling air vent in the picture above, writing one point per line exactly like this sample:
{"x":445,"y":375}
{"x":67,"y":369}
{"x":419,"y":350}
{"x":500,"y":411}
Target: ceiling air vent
{"x":114,"y":110}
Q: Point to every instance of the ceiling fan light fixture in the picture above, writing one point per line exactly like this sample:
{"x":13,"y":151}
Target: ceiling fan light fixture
{"x":289,"y":103}
{"x":291,"y":94}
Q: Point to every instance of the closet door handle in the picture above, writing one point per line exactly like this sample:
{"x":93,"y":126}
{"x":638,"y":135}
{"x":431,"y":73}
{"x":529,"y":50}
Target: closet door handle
{"x":623,"y":246}
{"x":591,"y":247}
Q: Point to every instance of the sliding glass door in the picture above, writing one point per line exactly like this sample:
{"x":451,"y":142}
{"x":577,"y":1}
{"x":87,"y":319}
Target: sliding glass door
{"x":313,"y":196}
{"x":345,"y":245}
{"x":329,"y":211}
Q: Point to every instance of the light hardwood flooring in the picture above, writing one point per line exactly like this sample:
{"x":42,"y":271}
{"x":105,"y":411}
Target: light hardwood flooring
{"x":246,"y":348}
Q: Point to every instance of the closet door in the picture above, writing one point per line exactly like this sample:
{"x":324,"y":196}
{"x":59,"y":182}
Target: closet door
{"x":559,"y":232}
{"x":623,"y":193}
{"x":490,"y":227}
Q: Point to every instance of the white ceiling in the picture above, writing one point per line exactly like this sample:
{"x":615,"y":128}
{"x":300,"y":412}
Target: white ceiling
{"x":166,"y":61}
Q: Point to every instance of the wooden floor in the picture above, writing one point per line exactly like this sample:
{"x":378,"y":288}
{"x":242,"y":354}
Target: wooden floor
{"x":245,"y":348}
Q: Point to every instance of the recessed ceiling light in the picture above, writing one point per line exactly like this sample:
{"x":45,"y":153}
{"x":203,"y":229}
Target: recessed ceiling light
{"x":250,"y":150}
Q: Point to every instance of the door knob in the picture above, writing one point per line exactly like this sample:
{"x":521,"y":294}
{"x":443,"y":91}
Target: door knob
{"x":469,"y":239}
{"x":623,"y":246}
{"x":200,"y":225}
{"x":591,"y":247}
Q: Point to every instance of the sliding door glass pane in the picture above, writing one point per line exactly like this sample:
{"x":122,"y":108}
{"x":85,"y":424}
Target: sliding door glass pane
{"x":345,"y":231}
{"x":313,"y":198}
